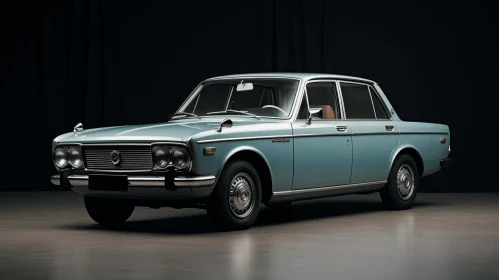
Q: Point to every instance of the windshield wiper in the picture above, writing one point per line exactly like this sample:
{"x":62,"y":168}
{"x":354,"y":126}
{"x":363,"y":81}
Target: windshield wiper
{"x":229,"y":111}
{"x":184,"y":114}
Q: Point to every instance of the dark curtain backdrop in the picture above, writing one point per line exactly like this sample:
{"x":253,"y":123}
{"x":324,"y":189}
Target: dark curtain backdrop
{"x":109,"y":63}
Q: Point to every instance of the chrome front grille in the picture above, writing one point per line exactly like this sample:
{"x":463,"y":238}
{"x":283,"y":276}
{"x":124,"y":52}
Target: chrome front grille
{"x":131,"y":157}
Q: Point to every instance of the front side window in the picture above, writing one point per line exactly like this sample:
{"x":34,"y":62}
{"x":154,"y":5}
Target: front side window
{"x":261,"y":97}
{"x":323,"y":98}
{"x":357,"y":101}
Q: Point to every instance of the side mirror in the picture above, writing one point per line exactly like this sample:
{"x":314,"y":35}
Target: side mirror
{"x":314,"y":112}
{"x":309,"y":119}
{"x":78,"y":127}
{"x":225,"y":123}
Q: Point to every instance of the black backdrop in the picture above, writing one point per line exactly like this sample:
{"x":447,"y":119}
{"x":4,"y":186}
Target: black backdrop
{"x":129,"y":62}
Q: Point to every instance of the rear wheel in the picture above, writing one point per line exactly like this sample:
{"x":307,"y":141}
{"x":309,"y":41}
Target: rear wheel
{"x":235,"y":202}
{"x":108,"y":211}
{"x":402,"y":186}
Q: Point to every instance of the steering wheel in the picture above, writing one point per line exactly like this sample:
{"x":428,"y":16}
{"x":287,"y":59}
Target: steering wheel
{"x":275,"y":107}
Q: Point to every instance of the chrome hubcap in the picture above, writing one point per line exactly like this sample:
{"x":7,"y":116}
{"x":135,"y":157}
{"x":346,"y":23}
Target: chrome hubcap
{"x":241,"y":195}
{"x":405,"y":182}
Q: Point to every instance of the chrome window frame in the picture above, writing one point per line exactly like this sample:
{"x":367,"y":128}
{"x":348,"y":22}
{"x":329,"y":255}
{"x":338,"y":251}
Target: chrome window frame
{"x":372,"y":104}
{"x":292,"y":111}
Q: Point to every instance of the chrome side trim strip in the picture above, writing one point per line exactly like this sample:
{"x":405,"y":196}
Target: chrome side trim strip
{"x":375,"y":133}
{"x":321,"y":135}
{"x":315,"y":135}
{"x":422,"y":132}
{"x":116,"y":144}
{"x":243,"y":138}
{"x":339,"y":187}
{"x":397,"y":133}
{"x":370,"y":133}
{"x":369,"y":120}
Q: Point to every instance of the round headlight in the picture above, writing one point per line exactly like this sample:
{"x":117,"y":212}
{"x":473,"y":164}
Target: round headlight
{"x":180,"y":158}
{"x":61,"y":157}
{"x":75,"y":157}
{"x":161,"y":156}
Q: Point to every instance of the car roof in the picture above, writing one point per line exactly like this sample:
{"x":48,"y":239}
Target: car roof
{"x":303,"y":76}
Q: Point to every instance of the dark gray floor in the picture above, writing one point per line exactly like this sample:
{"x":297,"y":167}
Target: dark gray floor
{"x":47,"y":235}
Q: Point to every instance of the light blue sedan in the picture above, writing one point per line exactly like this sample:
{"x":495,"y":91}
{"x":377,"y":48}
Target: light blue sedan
{"x":241,"y":140}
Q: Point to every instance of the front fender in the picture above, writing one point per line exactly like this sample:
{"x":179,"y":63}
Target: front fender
{"x":236,"y":150}
{"x":278,"y":157}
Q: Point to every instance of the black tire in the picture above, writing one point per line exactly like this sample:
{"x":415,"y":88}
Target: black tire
{"x":239,"y":176}
{"x":393,"y":197}
{"x":107,"y":211}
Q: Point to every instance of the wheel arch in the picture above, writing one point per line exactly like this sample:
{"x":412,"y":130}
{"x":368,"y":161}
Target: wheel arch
{"x":411,"y":151}
{"x":258,"y":160}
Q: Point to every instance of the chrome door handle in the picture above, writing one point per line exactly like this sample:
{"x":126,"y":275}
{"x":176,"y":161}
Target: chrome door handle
{"x":341,"y":128}
{"x":389,"y":127}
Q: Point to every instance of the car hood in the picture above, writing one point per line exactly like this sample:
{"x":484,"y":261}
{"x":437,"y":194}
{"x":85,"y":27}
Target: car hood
{"x":174,"y":131}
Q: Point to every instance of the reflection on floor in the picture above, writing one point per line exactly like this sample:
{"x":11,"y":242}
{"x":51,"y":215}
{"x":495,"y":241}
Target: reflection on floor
{"x":47,"y":235}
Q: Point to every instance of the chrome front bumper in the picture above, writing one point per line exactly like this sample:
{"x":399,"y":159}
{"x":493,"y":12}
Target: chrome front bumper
{"x":143,"y":181}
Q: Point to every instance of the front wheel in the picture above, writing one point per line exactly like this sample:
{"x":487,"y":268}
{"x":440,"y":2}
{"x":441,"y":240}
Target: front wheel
{"x":402,"y":186}
{"x":107,"y":211}
{"x":235,"y":202}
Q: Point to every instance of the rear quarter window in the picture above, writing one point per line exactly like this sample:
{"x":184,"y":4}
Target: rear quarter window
{"x":379,"y":109}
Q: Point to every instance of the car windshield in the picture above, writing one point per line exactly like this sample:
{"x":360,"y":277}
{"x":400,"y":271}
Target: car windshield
{"x":249,"y":97}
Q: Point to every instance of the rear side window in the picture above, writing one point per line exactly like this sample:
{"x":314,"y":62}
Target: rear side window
{"x":380,"y":111}
{"x":357,"y":100}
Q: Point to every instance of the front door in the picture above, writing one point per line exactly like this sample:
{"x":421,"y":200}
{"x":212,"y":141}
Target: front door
{"x":322,"y":147}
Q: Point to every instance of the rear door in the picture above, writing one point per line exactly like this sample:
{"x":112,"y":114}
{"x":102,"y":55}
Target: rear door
{"x":374,"y":134}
